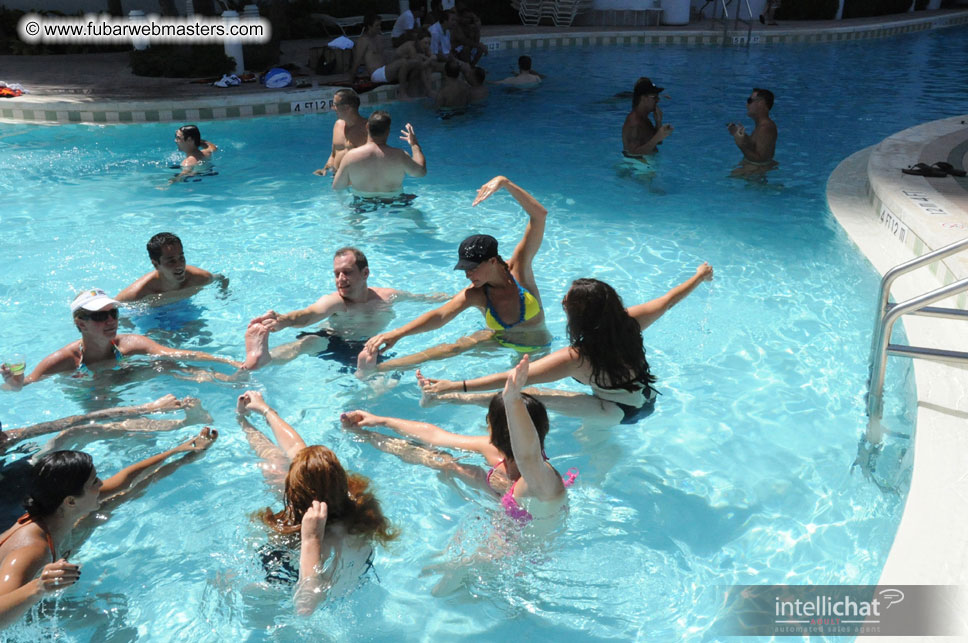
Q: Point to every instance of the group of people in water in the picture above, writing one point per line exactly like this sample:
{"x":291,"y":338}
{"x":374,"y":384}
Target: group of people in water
{"x":329,"y":515}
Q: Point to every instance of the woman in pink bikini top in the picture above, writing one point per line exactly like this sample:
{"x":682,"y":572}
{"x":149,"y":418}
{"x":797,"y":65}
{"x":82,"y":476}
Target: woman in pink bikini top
{"x":514,"y":449}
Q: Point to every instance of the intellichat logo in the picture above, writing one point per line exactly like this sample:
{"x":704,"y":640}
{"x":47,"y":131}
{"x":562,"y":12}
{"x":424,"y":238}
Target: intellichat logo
{"x":831,"y":610}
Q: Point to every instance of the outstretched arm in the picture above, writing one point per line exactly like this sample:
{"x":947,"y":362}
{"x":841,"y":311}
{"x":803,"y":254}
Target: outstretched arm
{"x":422,"y":431}
{"x":417,"y":165}
{"x":317,"y":312}
{"x":558,"y":365}
{"x":57,"y":362}
{"x":542,"y":480}
{"x":126,"y":479}
{"x":289,"y":440}
{"x":428,"y":321}
{"x":141,"y":345}
{"x":650,"y":311}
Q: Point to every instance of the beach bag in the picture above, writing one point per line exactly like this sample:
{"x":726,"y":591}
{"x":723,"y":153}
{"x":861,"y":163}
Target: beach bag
{"x":276,"y":78}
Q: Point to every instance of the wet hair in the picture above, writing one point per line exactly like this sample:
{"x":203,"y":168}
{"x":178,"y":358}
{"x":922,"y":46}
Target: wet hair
{"x":524,"y":63}
{"x":157,"y":243}
{"x":316,"y":474}
{"x":358,"y":256}
{"x":497,"y":419}
{"x":378,"y":124}
{"x":348,"y":96}
{"x":480,"y":74}
{"x":452,"y":69}
{"x":55,"y":476}
{"x":191,"y":132}
{"x":606,"y":336}
{"x":766,"y":95}
{"x":370,"y":18}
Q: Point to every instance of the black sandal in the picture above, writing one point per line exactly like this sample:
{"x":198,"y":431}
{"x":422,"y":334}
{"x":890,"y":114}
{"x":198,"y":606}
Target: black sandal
{"x":923,"y":169}
{"x":948,"y":168}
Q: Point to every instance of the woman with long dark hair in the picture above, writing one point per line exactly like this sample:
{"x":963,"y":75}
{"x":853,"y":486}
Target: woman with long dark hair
{"x":63,"y":489}
{"x":605,"y":352}
{"x":334,"y":512}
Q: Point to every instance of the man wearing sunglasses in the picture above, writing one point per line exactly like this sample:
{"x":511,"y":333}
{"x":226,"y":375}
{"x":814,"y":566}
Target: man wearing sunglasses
{"x":759,"y":146}
{"x":101,"y":347}
{"x":639,"y":135}
{"x":172,"y":279}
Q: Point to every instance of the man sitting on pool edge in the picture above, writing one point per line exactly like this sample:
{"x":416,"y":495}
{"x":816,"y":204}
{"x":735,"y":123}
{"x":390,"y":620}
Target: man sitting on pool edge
{"x":377,"y":169}
{"x":172,"y":279}
{"x":354,"y":312}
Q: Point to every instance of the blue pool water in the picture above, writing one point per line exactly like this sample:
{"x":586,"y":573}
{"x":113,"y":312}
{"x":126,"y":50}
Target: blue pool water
{"x":740,"y":476}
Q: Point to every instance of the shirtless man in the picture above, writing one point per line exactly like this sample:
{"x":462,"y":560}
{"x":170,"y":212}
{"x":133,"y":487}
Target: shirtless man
{"x":526,"y":77}
{"x":758,"y":147}
{"x":354,"y":313}
{"x":639,"y":135}
{"x":376,"y":169}
{"x":172,"y":279}
{"x":368,"y":52}
{"x":196,"y":150}
{"x":349,"y":130}
{"x":454,"y":92}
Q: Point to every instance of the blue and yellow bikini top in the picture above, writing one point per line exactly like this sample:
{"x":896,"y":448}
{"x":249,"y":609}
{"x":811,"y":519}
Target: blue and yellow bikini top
{"x":529,"y":306}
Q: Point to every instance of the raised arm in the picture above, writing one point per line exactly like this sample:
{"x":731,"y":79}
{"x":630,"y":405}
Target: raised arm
{"x":417,"y":165}
{"x":558,"y":365}
{"x":542,"y":480}
{"x":312,"y":587}
{"x":530,"y":242}
{"x":127,"y":478}
{"x":430,"y":320}
{"x":760,"y":146}
{"x":650,"y":311}
{"x":422,"y":431}
{"x":289,"y":440}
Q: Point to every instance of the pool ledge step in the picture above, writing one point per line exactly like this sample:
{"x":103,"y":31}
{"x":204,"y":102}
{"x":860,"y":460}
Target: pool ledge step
{"x":872,"y":201}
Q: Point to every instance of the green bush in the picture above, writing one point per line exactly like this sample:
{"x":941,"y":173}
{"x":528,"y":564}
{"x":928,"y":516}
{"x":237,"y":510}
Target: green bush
{"x":181,"y":61}
{"x":867,"y":8}
{"x":807,"y":10}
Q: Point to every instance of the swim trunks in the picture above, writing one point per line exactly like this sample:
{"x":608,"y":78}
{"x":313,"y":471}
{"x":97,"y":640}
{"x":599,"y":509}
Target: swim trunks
{"x":362,"y":204}
{"x":380,"y":75}
{"x":344,"y":351}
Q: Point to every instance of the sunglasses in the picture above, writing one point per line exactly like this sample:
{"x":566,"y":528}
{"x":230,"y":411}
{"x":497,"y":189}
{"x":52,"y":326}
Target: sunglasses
{"x":751,"y":99}
{"x":100,"y":315}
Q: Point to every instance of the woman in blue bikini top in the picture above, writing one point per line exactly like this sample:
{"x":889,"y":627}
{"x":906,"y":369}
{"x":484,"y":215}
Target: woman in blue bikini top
{"x":514,"y":449}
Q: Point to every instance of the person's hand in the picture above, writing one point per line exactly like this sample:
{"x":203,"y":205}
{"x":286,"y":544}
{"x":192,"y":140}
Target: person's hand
{"x":314,"y":521}
{"x":380,"y":343}
{"x":704,"y":272}
{"x":428,"y":385}
{"x":490,"y":188}
{"x":251,"y":401}
{"x":517,"y":379}
{"x":737,"y":130}
{"x":205,"y":438}
{"x":58,"y":575}
{"x":11,"y":381}
{"x":358,"y":418}
{"x":408,"y":135}
{"x":269,"y":319}
{"x":322,"y":171}
{"x":658,"y":114}
{"x":664,"y":131}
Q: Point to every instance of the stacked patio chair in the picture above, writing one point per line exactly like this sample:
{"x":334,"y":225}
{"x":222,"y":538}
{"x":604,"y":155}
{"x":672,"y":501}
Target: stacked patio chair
{"x":562,"y":13}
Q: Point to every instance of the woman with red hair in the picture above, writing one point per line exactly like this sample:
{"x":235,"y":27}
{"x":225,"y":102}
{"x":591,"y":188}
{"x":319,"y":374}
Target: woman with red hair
{"x":317,"y":491}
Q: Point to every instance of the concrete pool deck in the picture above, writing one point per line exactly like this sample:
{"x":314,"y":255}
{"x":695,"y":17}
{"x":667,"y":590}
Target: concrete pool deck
{"x":100,"y":88}
{"x":890,"y":216}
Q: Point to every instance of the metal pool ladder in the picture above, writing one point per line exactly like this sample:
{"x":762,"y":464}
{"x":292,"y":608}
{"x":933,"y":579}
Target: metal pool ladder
{"x":888,"y":313}
{"x":724,"y":4}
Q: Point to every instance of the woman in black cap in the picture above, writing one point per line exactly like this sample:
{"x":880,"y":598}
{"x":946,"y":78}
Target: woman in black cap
{"x":605,"y":352}
{"x":505,"y":291}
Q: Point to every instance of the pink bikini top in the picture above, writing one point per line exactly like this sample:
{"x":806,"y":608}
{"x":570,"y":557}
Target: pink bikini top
{"x":511,"y":507}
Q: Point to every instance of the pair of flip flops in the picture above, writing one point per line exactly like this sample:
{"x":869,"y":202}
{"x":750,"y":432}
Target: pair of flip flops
{"x":935,"y":170}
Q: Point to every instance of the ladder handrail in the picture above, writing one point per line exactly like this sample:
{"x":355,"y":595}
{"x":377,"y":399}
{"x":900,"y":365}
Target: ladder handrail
{"x":883,"y":330}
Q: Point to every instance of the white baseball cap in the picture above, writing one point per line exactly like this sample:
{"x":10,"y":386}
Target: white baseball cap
{"x":93,"y":299}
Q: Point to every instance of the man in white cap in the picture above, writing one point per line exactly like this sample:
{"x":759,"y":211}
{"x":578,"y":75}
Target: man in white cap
{"x":101,"y":348}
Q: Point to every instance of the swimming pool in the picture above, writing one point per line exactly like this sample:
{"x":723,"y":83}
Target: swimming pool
{"x":740,"y":476}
